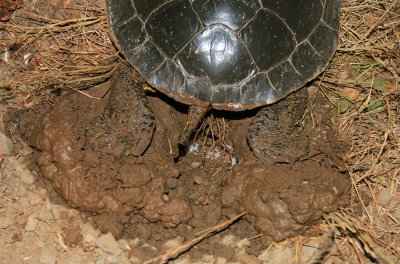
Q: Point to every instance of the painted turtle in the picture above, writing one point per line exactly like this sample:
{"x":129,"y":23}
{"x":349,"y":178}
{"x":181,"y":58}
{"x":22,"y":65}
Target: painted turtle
{"x":225,"y":54}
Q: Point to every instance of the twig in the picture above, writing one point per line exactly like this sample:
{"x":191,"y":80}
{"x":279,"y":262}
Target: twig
{"x":348,"y":223}
{"x":59,"y":235}
{"x":60,"y":26}
{"x":383,"y":146}
{"x":172,"y":254}
{"x":353,"y":183}
{"x":28,"y":15}
{"x":372,"y":28}
{"x":86,"y":94}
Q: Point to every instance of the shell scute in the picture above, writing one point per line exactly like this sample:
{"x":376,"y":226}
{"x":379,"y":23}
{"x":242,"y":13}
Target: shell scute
{"x":230,"y":54}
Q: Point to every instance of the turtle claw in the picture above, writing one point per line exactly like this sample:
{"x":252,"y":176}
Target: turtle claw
{"x":127,"y":110}
{"x":274,"y":135}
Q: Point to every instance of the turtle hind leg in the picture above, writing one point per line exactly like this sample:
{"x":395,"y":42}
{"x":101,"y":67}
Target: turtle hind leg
{"x":194,"y":118}
{"x":127,"y":124}
{"x":274,"y":134}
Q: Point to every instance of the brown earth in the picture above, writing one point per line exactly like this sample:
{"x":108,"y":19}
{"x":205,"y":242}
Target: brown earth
{"x":157,"y":197}
{"x":40,"y":57}
{"x":284,"y":202}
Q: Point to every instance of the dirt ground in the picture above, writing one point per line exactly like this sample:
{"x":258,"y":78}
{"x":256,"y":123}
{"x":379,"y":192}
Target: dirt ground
{"x":131,"y":198}
{"x":70,"y":194}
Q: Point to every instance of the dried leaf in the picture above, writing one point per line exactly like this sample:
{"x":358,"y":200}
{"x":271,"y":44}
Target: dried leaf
{"x":375,"y":104}
{"x":344,"y":105}
{"x":380,"y":84}
{"x":350,"y":94}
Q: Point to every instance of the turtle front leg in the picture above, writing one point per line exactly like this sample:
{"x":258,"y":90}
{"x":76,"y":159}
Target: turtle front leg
{"x":194,"y":118}
{"x":275,"y":134}
{"x":127,"y":124}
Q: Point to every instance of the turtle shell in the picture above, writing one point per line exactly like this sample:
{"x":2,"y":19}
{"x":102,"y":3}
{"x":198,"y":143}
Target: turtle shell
{"x":232,"y":54}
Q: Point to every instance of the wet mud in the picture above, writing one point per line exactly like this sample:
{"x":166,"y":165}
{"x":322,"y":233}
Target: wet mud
{"x":284,"y":202}
{"x":100,"y":181}
{"x":155,"y":197}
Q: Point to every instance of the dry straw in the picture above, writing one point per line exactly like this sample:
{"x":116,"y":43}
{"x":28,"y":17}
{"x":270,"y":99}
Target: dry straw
{"x":44,"y":53}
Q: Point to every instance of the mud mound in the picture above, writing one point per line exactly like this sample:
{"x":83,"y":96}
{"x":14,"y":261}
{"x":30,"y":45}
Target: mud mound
{"x":125,"y":194}
{"x":98,"y":182}
{"x":283,"y":202}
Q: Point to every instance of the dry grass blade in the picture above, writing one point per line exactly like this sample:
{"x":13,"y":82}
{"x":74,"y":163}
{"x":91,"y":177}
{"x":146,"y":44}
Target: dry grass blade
{"x":45,"y":55}
{"x":71,"y":49}
{"x":363,"y":82}
{"x":349,"y":225}
{"x":58,"y":233}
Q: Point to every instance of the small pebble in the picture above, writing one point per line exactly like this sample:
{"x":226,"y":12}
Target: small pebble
{"x":208,"y":259}
{"x":135,"y":242}
{"x":221,"y":260}
{"x":32,"y":223}
{"x":123,"y":244}
{"x":101,"y":261}
{"x":135,"y":260}
{"x":88,"y":229}
{"x":310,"y":248}
{"x":113,"y":259}
{"x":25,"y":175}
{"x":5,"y":221}
{"x":171,"y":184}
{"x":278,"y":255}
{"x":243,"y":243}
{"x":35,"y":198}
{"x":72,"y":234}
{"x":228,"y":240}
{"x":25,"y":205}
{"x":233,"y":161}
{"x":108,"y":243}
{"x":193,"y":148}
{"x":198,"y":179}
{"x":76,"y":258}
{"x":124,"y":259}
{"x":88,"y":240}
{"x":172,"y":244}
{"x":196,"y":164}
{"x":41,"y":244}
{"x":6,"y":145}
{"x":58,"y":211}
{"x":45,"y":211}
{"x":150,"y":247}
{"x":46,"y":257}
{"x":384,"y":196}
{"x":19,"y":190}
{"x":183,"y":260}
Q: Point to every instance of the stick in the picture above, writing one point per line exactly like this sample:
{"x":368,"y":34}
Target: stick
{"x":172,"y":254}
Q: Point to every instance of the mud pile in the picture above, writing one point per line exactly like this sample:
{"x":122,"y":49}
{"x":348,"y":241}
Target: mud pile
{"x":98,"y":182}
{"x":200,"y":190}
{"x":283,"y":202}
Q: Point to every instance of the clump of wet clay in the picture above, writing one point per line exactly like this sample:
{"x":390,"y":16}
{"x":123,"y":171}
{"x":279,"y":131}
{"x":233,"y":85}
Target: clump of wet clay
{"x":283,"y":202}
{"x":95,"y":182}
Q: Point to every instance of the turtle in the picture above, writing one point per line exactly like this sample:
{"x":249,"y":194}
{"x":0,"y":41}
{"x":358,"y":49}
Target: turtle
{"x":230,"y":55}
